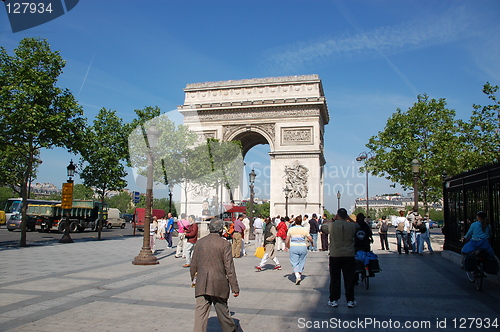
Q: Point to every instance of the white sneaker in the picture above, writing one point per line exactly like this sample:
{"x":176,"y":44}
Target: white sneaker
{"x":352,"y":304}
{"x":333,"y":304}
{"x":297,"y":282}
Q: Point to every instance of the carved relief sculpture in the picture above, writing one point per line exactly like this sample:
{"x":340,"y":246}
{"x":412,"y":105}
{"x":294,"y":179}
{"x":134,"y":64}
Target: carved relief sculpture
{"x":296,"y":178}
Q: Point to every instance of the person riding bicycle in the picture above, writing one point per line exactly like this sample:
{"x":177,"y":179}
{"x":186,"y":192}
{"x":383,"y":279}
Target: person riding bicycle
{"x":479,"y":234}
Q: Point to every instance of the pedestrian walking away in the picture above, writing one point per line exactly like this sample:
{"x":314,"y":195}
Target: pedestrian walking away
{"x":270,"y":235}
{"x":239,"y":228}
{"x":402,"y":227}
{"x":282,"y":229}
{"x":314,"y":231}
{"x":341,"y":260}
{"x":324,"y":236}
{"x":258,"y":232}
{"x":214,"y":276}
{"x":425,"y":236}
{"x":297,"y":246}
{"x":383,"y":229}
{"x":246,"y":233}
{"x":191,"y":234}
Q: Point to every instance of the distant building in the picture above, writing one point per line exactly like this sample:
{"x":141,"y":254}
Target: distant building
{"x":396,"y":202}
{"x":44,"y":189}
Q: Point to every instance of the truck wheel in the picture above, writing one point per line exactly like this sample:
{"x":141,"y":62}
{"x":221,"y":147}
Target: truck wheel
{"x":109,"y":226}
{"x":123,"y":226}
{"x":73,"y":226}
{"x":61,"y":227}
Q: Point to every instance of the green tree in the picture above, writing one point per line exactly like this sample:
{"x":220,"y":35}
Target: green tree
{"x":222,"y":167}
{"x":34,"y":112}
{"x":173,"y":159}
{"x":122,"y":201}
{"x":263,"y":209}
{"x":480,"y":139}
{"x":5,"y":194}
{"x":428,"y":132}
{"x":164,"y":204}
{"x":103,"y":156}
{"x":81,"y":191}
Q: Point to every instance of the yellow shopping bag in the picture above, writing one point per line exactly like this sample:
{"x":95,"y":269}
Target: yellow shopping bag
{"x":259,"y":252}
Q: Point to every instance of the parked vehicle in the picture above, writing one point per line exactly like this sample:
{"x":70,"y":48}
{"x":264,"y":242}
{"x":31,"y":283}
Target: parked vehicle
{"x":128,"y":217}
{"x":115,"y":219}
{"x":15,"y":223}
{"x":12,"y":212}
{"x":3,"y":220}
{"x":140,"y":216}
{"x":51,"y":217}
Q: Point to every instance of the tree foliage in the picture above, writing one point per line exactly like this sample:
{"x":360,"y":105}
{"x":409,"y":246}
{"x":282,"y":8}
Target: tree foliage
{"x":122,"y":201}
{"x":104,"y":154}
{"x":480,"y":141}
{"x":428,"y":132}
{"x":81,"y":191}
{"x":34,"y":112}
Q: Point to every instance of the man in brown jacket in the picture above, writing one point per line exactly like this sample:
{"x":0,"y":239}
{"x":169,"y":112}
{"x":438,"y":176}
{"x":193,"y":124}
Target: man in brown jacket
{"x":212,"y":270}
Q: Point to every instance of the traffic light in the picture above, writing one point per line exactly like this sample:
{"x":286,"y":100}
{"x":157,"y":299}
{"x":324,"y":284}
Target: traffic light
{"x":67,"y":196}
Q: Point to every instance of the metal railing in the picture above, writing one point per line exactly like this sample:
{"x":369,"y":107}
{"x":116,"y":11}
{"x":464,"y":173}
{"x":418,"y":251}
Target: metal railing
{"x":464,"y":195}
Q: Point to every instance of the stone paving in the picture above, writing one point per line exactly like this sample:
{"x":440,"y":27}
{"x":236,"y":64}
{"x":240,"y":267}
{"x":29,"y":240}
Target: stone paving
{"x":93,"y":286}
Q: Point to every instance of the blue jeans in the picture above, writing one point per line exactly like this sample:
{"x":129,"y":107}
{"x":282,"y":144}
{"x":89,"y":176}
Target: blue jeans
{"x":168,"y":238}
{"x":402,"y":235}
{"x":298,"y":256}
{"x":314,"y":246}
{"x":424,"y":237}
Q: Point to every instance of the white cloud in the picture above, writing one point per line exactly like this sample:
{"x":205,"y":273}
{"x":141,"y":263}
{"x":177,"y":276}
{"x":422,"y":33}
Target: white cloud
{"x":448,"y":27}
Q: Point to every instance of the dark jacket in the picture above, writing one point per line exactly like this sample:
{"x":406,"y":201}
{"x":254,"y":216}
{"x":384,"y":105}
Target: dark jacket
{"x":313,"y":226}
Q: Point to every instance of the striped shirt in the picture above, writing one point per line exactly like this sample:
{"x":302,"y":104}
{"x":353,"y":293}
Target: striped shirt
{"x":298,"y":235}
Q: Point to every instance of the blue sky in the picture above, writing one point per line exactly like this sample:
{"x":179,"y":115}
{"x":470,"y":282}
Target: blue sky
{"x":372,"y":57}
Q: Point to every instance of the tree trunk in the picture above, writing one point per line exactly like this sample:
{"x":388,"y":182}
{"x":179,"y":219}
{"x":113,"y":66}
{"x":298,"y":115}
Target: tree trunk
{"x":24,"y":196}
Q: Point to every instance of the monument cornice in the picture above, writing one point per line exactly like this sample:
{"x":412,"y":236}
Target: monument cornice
{"x":254,"y":109}
{"x":267,"y":81}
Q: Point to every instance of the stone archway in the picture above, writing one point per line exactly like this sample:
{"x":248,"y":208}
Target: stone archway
{"x":288,"y":113}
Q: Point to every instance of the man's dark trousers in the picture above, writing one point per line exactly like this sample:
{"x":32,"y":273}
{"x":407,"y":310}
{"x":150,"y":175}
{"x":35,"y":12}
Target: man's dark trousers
{"x":347,"y":266}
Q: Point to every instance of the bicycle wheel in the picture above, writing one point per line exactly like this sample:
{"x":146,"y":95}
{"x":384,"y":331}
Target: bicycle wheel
{"x":367,"y":282}
{"x":470,"y":275}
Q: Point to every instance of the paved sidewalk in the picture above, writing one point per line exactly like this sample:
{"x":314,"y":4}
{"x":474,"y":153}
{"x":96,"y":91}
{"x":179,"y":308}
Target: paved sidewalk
{"x":93,"y":286}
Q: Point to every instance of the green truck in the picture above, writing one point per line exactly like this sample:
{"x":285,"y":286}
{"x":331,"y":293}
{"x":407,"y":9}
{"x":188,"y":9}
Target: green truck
{"x":84,"y":214}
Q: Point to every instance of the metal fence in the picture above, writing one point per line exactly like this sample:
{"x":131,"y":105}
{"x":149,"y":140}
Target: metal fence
{"x":464,"y":195}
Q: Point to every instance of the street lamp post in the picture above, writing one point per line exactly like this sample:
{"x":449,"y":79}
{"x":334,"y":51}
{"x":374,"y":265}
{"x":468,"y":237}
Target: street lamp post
{"x":287,"y":193}
{"x":170,"y":193}
{"x":251,"y":180}
{"x":69,"y":185}
{"x":145,"y":256}
{"x":363,"y":156}
{"x":415,"y":168}
{"x":338,"y":200}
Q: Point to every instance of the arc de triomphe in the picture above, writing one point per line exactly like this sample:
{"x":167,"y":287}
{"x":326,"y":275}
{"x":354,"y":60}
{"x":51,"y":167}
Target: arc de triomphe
{"x":288,"y":113}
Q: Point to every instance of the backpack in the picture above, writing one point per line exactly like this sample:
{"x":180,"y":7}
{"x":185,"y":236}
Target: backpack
{"x":229,"y":233}
{"x":384,"y":228}
{"x":422,"y":228}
